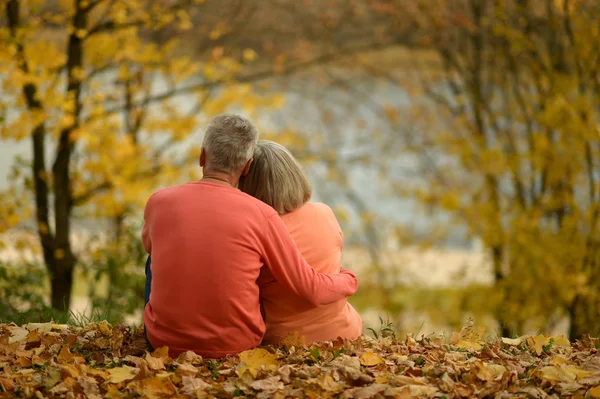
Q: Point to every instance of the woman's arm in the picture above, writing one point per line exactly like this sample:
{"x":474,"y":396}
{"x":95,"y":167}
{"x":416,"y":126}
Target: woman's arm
{"x":291,"y":270}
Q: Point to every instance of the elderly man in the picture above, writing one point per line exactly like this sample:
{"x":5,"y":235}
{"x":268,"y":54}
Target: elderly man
{"x":208,"y":243}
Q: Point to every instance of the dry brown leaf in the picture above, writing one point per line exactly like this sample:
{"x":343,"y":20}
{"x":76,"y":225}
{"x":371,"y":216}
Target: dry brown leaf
{"x":158,"y":388}
{"x":329,"y":384}
{"x":162,"y":353}
{"x":76,"y":363}
{"x":186,"y":369}
{"x":154,"y":363}
{"x":514,"y":341}
{"x":65,"y":355}
{"x":39,"y":327}
{"x":17,"y":334}
{"x":490,"y":372}
{"x":191,"y":385}
{"x":365,"y":392}
{"x":190,"y":357}
{"x":270,"y":384}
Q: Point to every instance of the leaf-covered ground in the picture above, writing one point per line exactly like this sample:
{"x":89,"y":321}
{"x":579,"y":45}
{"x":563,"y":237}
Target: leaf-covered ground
{"x":46,"y":360}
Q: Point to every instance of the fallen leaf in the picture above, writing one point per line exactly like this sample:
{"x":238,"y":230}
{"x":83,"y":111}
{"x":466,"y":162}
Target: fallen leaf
{"x":329,"y":384}
{"x":69,"y":370}
{"x":490,"y":372}
{"x":256,"y":359}
{"x":22,"y":362}
{"x":561,"y":342}
{"x":463,"y":344}
{"x":113,"y":393}
{"x":514,"y":341}
{"x":65,"y":355}
{"x":537,"y":343}
{"x":365,"y":392}
{"x":191,"y":385}
{"x":163,"y":354}
{"x":270,"y":384}
{"x":187,"y":369}
{"x":370,"y":359}
{"x":105,"y":328}
{"x":158,"y":388}
{"x":120,"y":374}
{"x":293,"y":339}
{"x":39,"y":327}
{"x":190,"y":357}
{"x":595,"y":392}
{"x":17,"y":334}
{"x":154,"y":363}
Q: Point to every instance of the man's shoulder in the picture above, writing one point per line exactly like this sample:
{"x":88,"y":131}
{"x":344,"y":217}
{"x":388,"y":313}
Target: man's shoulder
{"x":166,"y":192}
{"x":260,"y":207}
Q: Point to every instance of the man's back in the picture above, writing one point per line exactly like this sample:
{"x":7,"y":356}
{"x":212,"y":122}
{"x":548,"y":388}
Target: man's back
{"x":205,"y":241}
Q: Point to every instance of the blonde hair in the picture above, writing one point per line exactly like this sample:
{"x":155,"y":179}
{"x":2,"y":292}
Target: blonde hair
{"x":276,"y":178}
{"x":229,"y":142}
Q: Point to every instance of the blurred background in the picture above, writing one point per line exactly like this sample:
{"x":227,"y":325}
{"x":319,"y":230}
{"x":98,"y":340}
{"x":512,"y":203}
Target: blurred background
{"x":458,"y":142}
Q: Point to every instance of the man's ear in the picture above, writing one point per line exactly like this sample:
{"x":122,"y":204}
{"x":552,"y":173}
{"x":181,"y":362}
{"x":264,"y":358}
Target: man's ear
{"x":247,"y":167}
{"x":202,"y":158}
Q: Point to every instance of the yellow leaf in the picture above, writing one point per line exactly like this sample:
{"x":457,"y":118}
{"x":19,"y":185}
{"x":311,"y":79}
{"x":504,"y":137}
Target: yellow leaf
{"x":113,"y":392}
{"x":463,"y":344}
{"x":370,"y":359}
{"x":537,"y":343}
{"x":156,"y":388}
{"x":256,"y":359}
{"x":120,"y":374}
{"x":293,"y":339}
{"x":105,"y":327}
{"x":558,"y":360}
{"x":163,"y":354}
{"x":490,"y":372}
{"x":329,"y":384}
{"x":513,"y":341}
{"x":595,"y":392}
{"x":579,"y":373}
{"x":561,"y":341}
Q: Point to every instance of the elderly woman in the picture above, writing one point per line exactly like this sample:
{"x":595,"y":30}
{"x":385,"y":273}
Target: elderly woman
{"x":209,"y":242}
{"x":278,"y":180}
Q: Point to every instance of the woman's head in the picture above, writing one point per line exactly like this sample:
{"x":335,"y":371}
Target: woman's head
{"x":276,"y":178}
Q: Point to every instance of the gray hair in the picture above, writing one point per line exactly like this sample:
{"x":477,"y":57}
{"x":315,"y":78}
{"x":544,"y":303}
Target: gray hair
{"x":276,"y":178}
{"x":229,"y":142}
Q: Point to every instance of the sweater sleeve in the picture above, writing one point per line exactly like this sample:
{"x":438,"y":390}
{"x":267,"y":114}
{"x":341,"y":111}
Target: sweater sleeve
{"x":290,"y":269}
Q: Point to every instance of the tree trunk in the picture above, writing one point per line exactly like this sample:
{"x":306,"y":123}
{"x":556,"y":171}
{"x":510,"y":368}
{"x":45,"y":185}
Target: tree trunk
{"x":502,"y":316}
{"x":585,"y":316}
{"x":62,"y":275}
{"x":61,"y":283}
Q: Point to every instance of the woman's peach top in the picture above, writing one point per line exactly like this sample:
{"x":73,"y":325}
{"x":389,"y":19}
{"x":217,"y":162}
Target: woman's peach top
{"x":319,"y":238}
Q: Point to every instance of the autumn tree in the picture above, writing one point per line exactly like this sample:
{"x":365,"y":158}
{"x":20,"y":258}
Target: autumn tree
{"x":97,"y":80}
{"x":510,"y":146}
